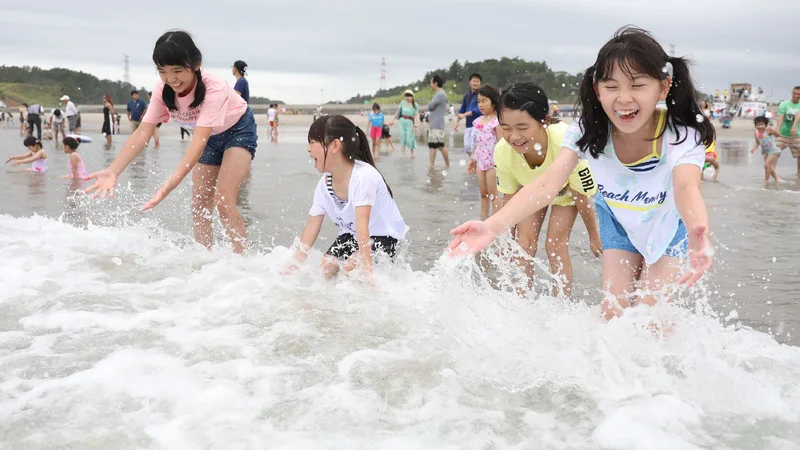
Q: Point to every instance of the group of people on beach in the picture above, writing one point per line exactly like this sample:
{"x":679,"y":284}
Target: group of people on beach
{"x":631,"y":169}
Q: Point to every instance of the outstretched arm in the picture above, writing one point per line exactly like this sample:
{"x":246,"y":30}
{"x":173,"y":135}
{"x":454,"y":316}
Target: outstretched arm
{"x":16,"y":157}
{"x":692,"y":208}
{"x":33,"y":157}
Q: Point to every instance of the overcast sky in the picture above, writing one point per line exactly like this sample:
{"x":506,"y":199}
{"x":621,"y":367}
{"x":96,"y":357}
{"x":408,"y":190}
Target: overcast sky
{"x":297,"y":48}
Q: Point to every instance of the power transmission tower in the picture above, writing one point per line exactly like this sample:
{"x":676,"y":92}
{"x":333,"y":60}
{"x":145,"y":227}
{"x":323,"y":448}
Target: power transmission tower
{"x":126,"y":77}
{"x":383,"y":74}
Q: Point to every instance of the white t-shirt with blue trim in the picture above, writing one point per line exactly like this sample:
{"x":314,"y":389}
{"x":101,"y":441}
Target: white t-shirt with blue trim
{"x":642,"y":202}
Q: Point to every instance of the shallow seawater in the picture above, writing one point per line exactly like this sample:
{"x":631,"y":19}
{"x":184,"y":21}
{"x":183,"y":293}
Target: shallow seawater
{"x":118,"y":331}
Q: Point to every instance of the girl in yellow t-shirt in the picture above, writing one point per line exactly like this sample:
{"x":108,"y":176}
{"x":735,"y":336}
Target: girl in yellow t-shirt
{"x":529,"y":146}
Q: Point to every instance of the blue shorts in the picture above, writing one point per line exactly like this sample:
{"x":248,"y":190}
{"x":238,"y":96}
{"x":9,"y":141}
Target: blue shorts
{"x":614,"y":237}
{"x":242,"y":134}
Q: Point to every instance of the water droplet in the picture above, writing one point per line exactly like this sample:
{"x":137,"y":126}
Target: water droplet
{"x":444,"y":173}
{"x":466,"y":184}
{"x":462,"y":163}
{"x":537,"y":146}
{"x":116,"y":261}
{"x":463,"y":246}
{"x":563,"y":85}
{"x":416,"y":88}
{"x":353,"y":139}
{"x":774,"y":259}
{"x":665,"y":69}
{"x":544,"y":126}
{"x":700,"y":118}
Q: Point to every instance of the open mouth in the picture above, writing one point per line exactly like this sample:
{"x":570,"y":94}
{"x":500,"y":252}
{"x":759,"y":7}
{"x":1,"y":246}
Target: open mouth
{"x":520,"y":145}
{"x":627,"y":114}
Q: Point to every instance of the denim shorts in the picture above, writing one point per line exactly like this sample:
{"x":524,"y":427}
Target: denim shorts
{"x":614,"y":237}
{"x":242,"y":134}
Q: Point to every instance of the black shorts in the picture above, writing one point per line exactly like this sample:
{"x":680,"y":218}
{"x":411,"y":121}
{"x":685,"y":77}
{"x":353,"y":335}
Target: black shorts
{"x":345,"y":245}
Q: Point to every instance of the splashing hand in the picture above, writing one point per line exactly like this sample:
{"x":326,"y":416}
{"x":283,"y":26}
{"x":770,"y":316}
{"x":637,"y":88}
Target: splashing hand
{"x":701,"y":255}
{"x":470,"y":237}
{"x":160,"y":195}
{"x":471,"y":166}
{"x":106,"y":180}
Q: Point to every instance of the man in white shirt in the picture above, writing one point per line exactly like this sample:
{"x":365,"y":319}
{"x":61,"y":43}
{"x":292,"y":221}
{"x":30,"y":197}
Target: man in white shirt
{"x":71,"y":112}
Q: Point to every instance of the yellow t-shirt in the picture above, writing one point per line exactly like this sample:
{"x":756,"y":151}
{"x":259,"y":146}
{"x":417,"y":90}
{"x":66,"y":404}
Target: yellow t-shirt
{"x":514,"y":171}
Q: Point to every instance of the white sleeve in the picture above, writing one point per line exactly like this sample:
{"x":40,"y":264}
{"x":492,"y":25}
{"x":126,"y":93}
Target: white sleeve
{"x":571,"y":137}
{"x":318,"y":207}
{"x":693,"y":153}
{"x":365,"y":189}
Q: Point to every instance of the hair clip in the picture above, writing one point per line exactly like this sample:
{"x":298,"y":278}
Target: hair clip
{"x":668,"y":69}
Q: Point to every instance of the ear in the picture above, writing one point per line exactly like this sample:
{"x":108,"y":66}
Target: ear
{"x":335,"y":146}
{"x":594,"y":87}
{"x":666,"y":84}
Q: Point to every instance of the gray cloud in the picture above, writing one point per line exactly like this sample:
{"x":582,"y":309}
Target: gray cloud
{"x":298,"y":47}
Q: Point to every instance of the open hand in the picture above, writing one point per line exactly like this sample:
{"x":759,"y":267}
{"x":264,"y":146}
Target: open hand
{"x":160,"y":195}
{"x":596,"y":245}
{"x":701,"y":255}
{"x":106,"y":180}
{"x":470,"y":237}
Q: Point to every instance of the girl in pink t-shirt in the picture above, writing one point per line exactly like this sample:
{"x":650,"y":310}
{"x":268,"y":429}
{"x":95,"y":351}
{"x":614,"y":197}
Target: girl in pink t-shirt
{"x":223,"y":142}
{"x":485,"y":139}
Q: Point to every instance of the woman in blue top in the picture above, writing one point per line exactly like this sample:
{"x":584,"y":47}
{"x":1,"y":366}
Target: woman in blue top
{"x":242,"y":87}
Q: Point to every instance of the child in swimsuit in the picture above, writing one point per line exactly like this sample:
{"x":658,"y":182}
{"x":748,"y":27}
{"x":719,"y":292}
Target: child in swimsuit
{"x":35,"y":155}
{"x":765,"y":138}
{"x":77,"y":170}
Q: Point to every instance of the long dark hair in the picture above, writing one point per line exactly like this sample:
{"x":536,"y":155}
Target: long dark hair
{"x":355,"y":145}
{"x":635,"y":50}
{"x":176,"y":48}
{"x":525,"y":96}
{"x":30,"y":141}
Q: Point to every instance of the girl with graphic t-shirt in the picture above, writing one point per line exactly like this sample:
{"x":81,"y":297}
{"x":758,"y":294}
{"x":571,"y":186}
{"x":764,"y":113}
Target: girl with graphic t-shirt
{"x":647,"y":166}
{"x":354,"y":195}
{"x":223,"y":141}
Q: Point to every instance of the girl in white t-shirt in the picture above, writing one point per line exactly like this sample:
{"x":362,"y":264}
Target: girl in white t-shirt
{"x":354,"y":195}
{"x":647,"y":166}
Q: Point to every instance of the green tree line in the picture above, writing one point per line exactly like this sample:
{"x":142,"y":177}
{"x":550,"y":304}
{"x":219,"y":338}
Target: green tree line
{"x":560,"y":86}
{"x":36,"y":85}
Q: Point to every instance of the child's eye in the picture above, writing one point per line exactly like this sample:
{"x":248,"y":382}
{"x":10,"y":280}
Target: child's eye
{"x":638,"y":85}
{"x":611,"y":88}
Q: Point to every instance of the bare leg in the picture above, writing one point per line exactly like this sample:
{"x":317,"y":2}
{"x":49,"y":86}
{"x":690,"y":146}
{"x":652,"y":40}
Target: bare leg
{"x":432,"y":156}
{"x":204,"y":178}
{"x":446,"y":157}
{"x":773,"y":162}
{"x":484,"y":194}
{"x":559,"y":229}
{"x":235,"y":167}
{"x":491,"y":189}
{"x":528,"y":238}
{"x":330,"y":266}
{"x":621,"y":270}
{"x":715,"y":164}
{"x":658,"y":276}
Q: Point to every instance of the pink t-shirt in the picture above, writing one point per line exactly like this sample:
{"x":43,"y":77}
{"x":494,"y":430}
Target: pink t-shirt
{"x":220,"y":110}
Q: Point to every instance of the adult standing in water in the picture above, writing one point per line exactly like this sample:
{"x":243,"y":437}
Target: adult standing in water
{"x":786,"y":124}
{"x":136,"y":110}
{"x":108,"y":113}
{"x":242,"y":86}
{"x":71,"y":111}
{"x":222,"y":147}
{"x":469,"y":110}
{"x":407,"y":114}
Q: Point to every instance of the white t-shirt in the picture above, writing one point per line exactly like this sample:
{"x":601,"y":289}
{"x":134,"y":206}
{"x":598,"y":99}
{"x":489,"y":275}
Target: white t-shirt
{"x":271,"y":114}
{"x":367,"y":188}
{"x":642,"y":202}
{"x":71,"y":110}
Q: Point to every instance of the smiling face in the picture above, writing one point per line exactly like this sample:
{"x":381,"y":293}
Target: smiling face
{"x":179,"y":78}
{"x":630,"y":102}
{"x":761,"y":126}
{"x":522,"y":131}
{"x":795,"y":95}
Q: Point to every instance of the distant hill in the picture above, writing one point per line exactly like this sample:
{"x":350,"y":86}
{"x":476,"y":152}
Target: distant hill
{"x":560,"y":86}
{"x":35,"y":85}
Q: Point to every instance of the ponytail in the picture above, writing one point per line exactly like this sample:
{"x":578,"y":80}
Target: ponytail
{"x":682,"y":104}
{"x":363,"y":153}
{"x":199,"y":90}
